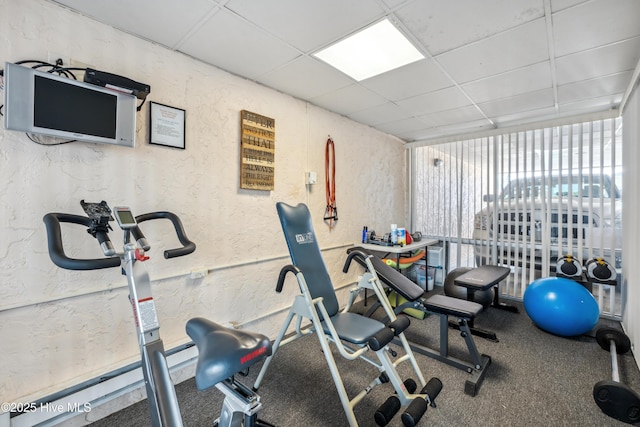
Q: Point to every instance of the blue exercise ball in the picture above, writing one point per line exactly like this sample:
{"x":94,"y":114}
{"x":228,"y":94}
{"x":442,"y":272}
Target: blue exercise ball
{"x":561,"y":306}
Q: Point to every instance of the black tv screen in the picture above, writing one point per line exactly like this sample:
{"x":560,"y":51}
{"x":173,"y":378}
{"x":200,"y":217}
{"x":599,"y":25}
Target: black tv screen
{"x":56,"y":107}
{"x":52,"y":105}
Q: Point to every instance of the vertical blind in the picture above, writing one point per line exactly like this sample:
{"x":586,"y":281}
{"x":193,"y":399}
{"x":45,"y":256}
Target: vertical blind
{"x":525,"y":198}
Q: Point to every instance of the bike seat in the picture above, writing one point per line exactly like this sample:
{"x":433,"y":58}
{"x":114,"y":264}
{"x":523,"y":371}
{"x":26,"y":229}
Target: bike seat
{"x":223,"y":352}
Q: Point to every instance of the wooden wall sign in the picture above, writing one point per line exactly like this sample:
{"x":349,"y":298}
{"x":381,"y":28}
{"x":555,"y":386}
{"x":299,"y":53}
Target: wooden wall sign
{"x":257,"y":151}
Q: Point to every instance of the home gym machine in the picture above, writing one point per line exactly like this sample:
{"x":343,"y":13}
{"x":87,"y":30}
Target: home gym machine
{"x":355,"y":336}
{"x":615,"y":398}
{"x":222,"y":352}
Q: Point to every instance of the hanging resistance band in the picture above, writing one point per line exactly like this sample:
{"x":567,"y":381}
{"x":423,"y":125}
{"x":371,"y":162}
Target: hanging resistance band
{"x":331,"y":213}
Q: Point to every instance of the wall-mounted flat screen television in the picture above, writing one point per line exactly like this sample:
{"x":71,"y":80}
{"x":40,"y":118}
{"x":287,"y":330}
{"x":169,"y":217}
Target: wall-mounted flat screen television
{"x":52,"y":105}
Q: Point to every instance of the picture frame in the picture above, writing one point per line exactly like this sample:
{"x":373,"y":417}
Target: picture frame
{"x":167,"y":126}
{"x":257,"y":151}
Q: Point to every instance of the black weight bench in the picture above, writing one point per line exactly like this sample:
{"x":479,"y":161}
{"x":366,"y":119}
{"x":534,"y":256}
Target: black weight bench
{"x":440,"y":305}
{"x":483,"y":278}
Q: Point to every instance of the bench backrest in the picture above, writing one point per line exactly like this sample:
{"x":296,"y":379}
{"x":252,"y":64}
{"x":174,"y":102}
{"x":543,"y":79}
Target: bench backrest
{"x":305,"y":253}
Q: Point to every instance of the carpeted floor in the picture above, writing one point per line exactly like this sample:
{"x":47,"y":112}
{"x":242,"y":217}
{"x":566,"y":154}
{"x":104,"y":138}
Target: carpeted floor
{"x":535,"y":379}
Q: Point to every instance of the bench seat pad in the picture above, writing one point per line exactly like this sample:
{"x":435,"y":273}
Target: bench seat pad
{"x":443,"y":304}
{"x":354,"y":328}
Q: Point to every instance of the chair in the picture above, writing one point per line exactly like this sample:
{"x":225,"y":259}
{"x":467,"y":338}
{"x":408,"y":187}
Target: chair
{"x":353,"y":335}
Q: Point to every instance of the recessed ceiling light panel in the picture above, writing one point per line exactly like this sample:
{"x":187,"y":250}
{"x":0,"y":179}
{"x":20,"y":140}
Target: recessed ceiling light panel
{"x":372,"y":51}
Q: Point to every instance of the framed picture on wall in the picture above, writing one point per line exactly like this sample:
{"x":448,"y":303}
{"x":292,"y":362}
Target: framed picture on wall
{"x":257,"y":151}
{"x":167,"y":126}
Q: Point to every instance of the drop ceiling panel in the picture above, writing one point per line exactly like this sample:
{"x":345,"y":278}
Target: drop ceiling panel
{"x":405,"y":125}
{"x":444,"y":99}
{"x":394,"y":4}
{"x":443,"y":131}
{"x":516,"y":48}
{"x":558,"y":5}
{"x":595,"y":23}
{"x":164,"y":21}
{"x":308,"y":25}
{"x":517,"y":118}
{"x":349,"y":99}
{"x":515,"y":104}
{"x":306,"y":78}
{"x":380,"y":114}
{"x":612,"y":86}
{"x":445,"y":25}
{"x":453,"y":116}
{"x":610,"y":59}
{"x":516,"y":82}
{"x":408,"y":81}
{"x":237,"y":46}
{"x":591,"y":105}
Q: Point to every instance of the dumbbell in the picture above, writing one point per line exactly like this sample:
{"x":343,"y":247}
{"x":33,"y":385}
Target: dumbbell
{"x":614,"y":398}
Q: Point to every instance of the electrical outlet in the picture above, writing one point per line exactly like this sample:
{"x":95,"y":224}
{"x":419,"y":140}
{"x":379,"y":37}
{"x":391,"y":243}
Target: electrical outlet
{"x":199,"y":274}
{"x":312,"y":178}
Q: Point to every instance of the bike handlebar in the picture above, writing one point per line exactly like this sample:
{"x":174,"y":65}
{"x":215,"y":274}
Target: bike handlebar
{"x":187,"y":245}
{"x":56,"y":249}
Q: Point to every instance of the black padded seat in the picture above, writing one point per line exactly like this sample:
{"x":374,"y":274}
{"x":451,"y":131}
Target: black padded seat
{"x":452,"y":306}
{"x":223,"y":352}
{"x":354,"y":328}
{"x":483,"y":277}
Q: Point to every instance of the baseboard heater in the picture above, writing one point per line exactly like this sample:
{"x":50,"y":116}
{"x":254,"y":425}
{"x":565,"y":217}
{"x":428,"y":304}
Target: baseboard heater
{"x":70,"y":403}
{"x":81,"y":398}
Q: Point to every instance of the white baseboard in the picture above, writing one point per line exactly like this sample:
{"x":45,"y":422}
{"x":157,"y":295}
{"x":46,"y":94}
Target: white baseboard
{"x":100,"y":400}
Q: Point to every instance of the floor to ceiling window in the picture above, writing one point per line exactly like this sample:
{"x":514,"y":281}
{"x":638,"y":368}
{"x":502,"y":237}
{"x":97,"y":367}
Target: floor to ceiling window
{"x":524,"y":198}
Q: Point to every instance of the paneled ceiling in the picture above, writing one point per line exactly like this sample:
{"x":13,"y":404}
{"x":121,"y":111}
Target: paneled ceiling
{"x":489,"y":63}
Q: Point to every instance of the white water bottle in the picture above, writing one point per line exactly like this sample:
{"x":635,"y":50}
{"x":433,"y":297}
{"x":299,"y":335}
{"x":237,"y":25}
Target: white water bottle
{"x":394,"y":234}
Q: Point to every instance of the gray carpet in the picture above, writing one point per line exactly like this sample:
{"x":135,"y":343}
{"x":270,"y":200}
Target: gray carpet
{"x":535,"y":379}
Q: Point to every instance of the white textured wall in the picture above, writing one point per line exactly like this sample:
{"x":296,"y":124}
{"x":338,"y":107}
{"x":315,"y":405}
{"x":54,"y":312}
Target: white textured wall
{"x":61,"y":327}
{"x":630,"y":224}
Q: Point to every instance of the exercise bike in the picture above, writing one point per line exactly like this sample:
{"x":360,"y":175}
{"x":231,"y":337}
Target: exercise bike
{"x":222,"y":352}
